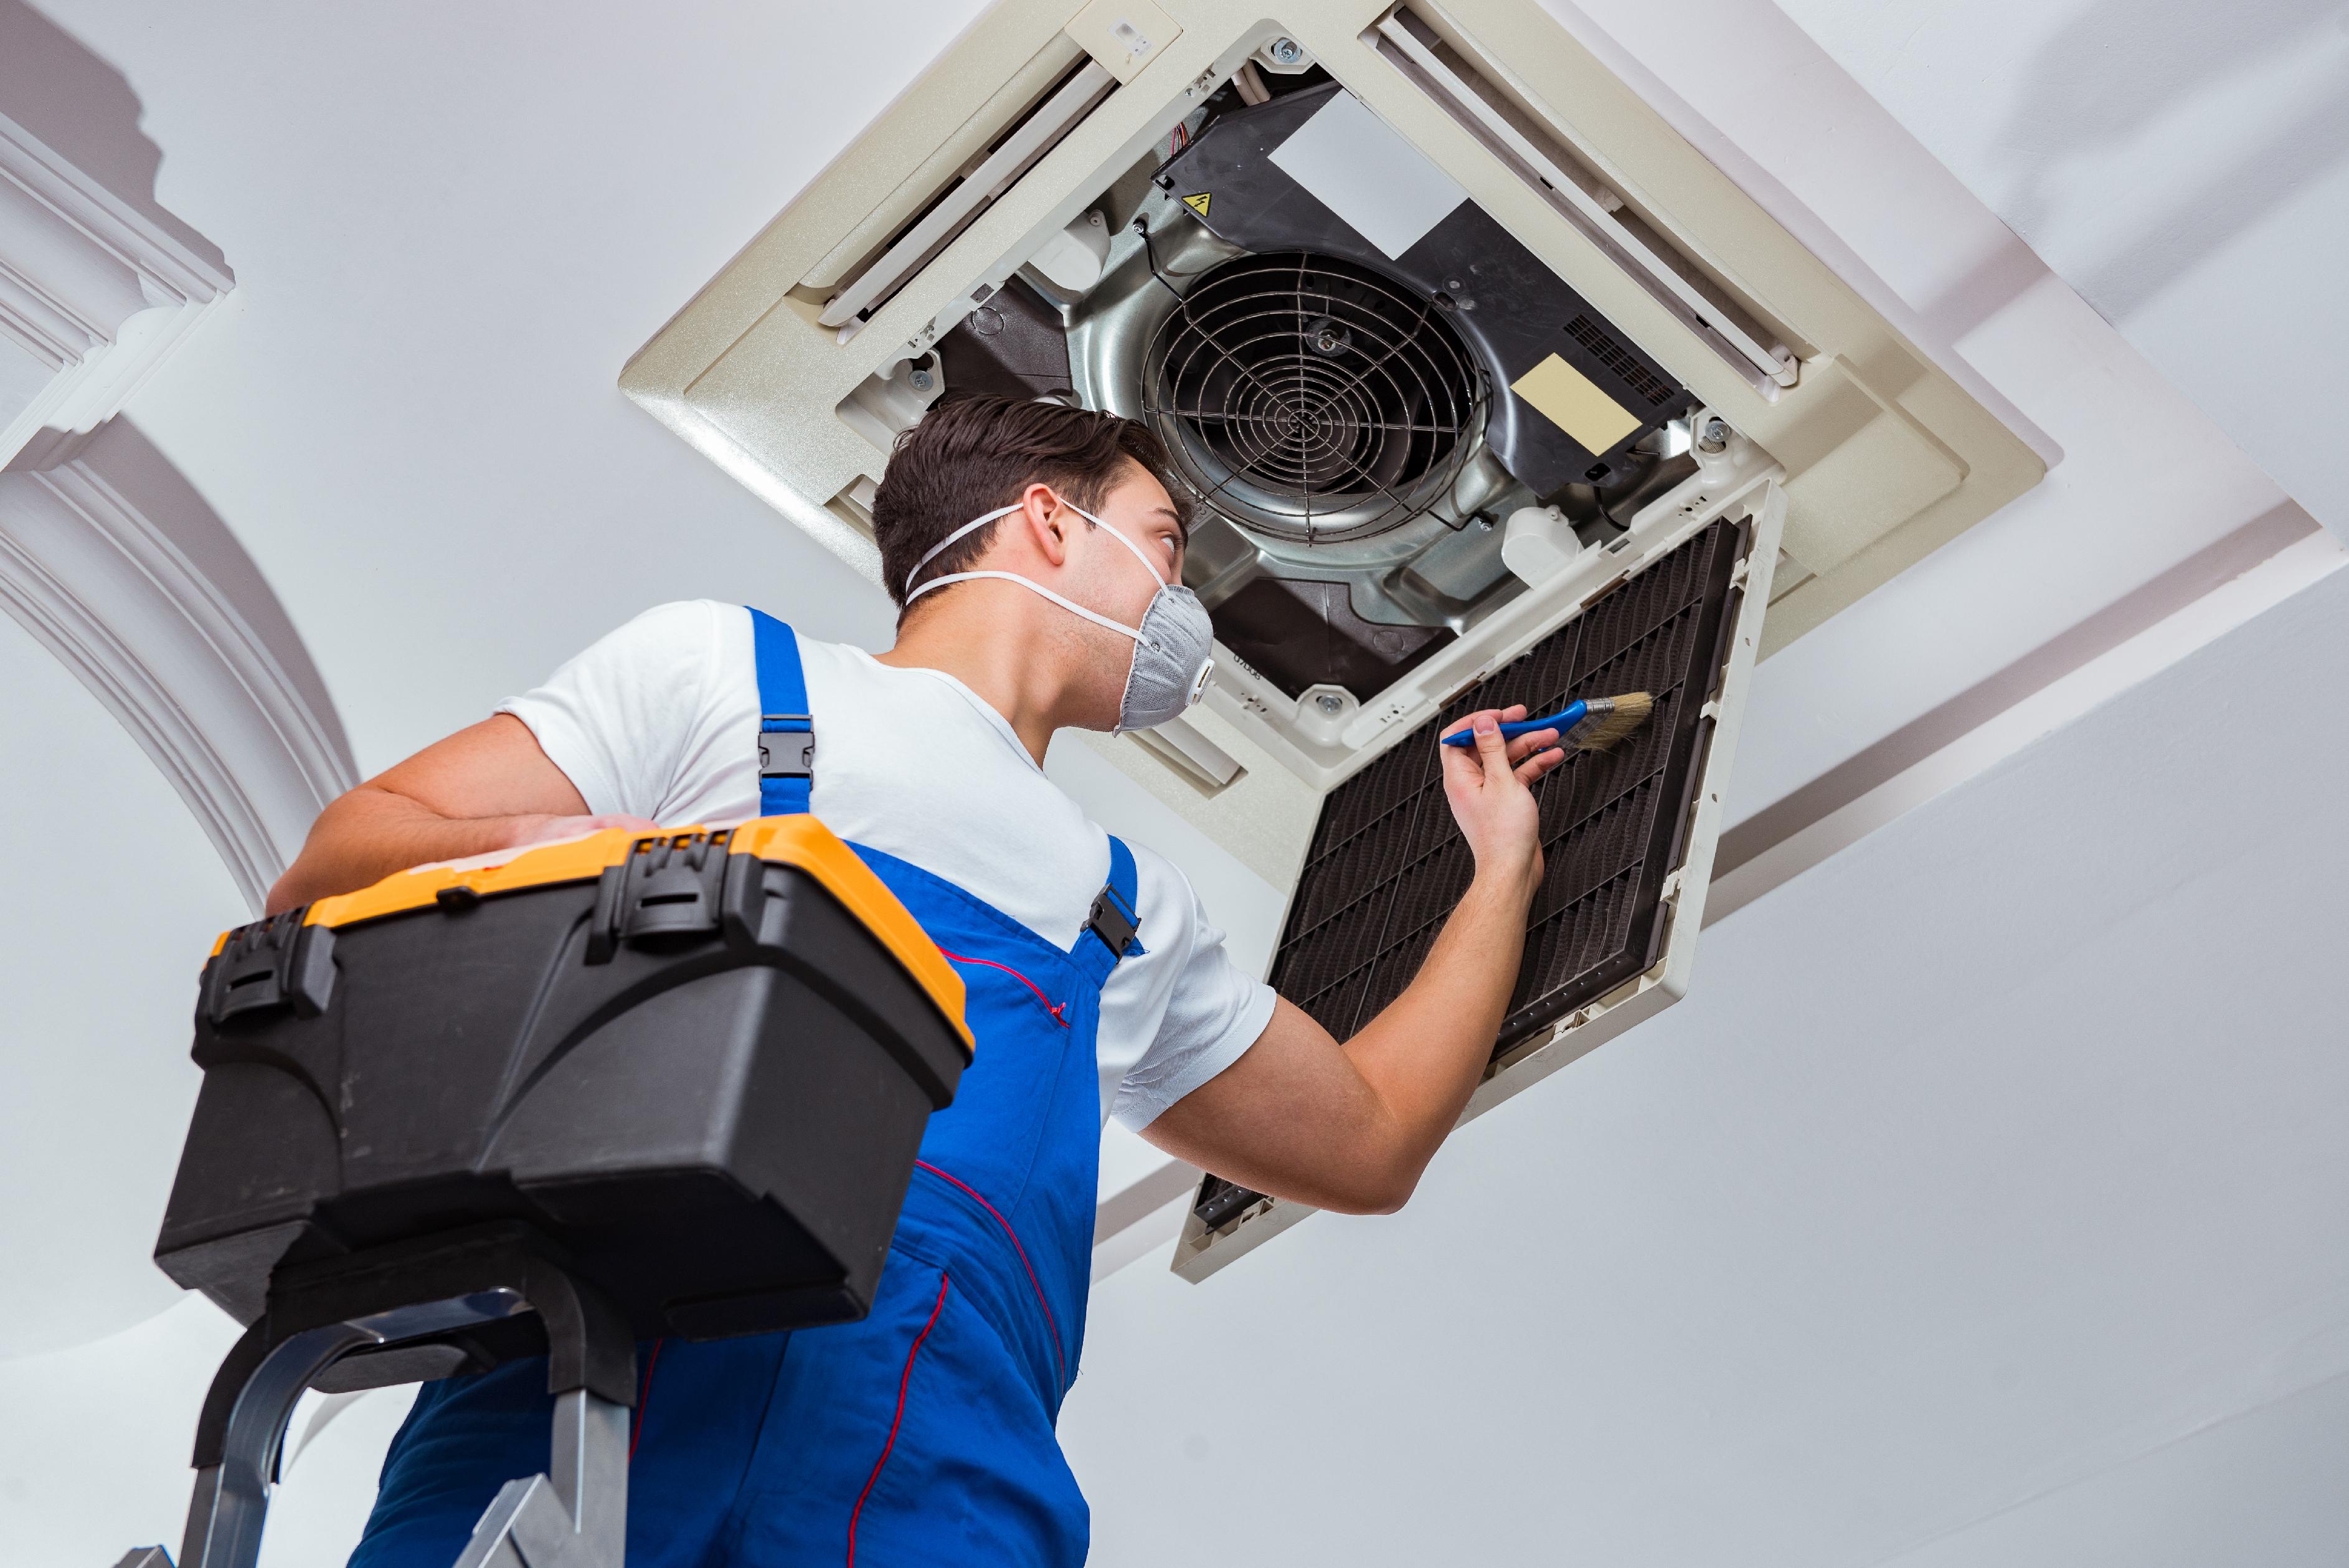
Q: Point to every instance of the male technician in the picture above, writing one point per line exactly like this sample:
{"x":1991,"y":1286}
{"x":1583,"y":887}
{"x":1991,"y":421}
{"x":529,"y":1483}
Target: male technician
{"x":1036,"y":552}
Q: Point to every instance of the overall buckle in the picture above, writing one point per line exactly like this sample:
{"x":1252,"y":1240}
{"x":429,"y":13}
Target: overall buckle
{"x":1113,"y":921}
{"x":786,"y":758}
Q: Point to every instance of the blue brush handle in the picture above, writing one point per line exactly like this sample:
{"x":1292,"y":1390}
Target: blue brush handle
{"x":1564,"y":720}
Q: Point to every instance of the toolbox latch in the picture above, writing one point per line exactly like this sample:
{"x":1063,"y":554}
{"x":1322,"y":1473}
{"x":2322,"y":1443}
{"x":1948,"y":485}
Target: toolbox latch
{"x":271,"y":964}
{"x":668,"y":888}
{"x":786,"y":746}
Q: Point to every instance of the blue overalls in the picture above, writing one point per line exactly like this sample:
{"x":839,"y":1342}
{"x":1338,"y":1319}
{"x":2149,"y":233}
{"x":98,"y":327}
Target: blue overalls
{"x":923,"y":1434}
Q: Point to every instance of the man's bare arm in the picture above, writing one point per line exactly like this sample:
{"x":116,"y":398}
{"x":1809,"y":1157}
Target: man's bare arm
{"x":1351,"y":1127}
{"x":487,"y":787}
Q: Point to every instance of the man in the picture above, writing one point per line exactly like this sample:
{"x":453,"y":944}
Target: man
{"x":1036,"y":553}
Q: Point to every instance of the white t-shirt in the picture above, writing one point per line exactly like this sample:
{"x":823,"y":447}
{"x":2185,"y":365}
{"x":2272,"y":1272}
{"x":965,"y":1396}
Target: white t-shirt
{"x":660,"y":719}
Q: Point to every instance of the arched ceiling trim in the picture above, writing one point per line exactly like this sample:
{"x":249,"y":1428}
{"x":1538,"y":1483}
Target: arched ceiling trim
{"x":114,"y":562}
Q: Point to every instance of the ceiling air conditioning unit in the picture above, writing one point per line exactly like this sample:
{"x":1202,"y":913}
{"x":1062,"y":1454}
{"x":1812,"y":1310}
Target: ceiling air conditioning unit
{"x":1487,"y":386}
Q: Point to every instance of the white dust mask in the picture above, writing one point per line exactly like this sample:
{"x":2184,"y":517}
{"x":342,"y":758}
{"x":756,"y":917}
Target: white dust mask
{"x":1174,"y":648}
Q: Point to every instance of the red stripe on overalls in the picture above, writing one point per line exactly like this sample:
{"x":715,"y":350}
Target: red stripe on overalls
{"x":644,"y":1399}
{"x":991,"y":964}
{"x":1033,"y":1283}
{"x":905,"y":1381}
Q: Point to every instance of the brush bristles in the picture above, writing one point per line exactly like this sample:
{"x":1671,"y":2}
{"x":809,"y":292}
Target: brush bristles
{"x":1609,"y":719}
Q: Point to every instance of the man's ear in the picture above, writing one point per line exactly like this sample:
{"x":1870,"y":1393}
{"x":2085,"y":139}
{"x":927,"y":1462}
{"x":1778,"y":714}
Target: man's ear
{"x":1047,"y":522}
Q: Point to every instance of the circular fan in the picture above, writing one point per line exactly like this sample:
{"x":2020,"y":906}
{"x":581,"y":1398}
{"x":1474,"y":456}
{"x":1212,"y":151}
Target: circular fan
{"x":1312,"y":400}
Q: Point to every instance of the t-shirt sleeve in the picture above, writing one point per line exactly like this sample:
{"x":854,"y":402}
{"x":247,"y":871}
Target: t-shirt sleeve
{"x":1205,"y":1009}
{"x":621,"y":718}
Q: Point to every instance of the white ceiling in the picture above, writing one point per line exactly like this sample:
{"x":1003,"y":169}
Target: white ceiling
{"x":1987,"y":1161}
{"x":2184,"y":166}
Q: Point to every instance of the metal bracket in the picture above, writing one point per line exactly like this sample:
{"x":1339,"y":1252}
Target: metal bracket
{"x":576,"y":1516}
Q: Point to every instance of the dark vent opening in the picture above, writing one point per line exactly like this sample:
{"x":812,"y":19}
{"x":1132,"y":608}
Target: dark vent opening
{"x":1387,"y":863}
{"x":1299,"y":632}
{"x":1620,"y":359}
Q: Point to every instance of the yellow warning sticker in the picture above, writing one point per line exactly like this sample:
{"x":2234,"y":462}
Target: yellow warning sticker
{"x":1573,"y":402}
{"x":1198,"y":203}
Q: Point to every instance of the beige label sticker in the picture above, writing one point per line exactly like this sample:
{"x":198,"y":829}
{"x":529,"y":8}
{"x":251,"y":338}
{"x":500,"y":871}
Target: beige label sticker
{"x":1573,"y":402}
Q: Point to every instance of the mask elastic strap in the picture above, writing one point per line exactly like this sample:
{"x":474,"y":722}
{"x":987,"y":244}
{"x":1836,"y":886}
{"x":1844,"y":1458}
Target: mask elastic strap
{"x":1122,"y":538}
{"x":979,"y":522}
{"x":1073,"y":608}
{"x":974,"y":524}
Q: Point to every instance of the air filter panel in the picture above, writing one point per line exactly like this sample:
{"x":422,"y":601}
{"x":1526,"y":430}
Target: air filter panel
{"x":1620,"y":831}
{"x":1387,"y":864}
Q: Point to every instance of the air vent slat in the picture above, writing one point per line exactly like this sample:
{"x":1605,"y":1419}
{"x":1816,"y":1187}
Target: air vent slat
{"x":961,"y":206}
{"x":1413,"y":48}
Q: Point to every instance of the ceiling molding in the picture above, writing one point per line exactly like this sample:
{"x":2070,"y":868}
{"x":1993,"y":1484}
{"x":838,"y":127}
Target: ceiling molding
{"x":93,"y":294}
{"x":2210,"y":593}
{"x":115,"y":563}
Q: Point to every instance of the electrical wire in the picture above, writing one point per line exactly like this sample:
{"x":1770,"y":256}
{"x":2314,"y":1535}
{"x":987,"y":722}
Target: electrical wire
{"x":1150,"y":254}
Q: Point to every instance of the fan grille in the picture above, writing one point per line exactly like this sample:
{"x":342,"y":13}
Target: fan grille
{"x":1312,"y":400}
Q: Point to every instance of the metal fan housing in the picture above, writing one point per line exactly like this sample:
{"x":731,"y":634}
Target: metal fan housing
{"x":1310,"y":399}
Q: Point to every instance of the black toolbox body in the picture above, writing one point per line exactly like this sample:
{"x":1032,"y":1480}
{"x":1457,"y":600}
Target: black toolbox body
{"x":698,"y":1063}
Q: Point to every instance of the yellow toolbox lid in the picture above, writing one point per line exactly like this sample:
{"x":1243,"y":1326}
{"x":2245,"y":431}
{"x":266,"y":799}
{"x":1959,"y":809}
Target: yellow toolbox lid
{"x":799,"y":842}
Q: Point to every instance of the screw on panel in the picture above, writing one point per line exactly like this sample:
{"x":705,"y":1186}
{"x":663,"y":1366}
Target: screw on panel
{"x":921,"y":380}
{"x":1284,"y":51}
{"x":1330,"y":702}
{"x":1715,"y":436}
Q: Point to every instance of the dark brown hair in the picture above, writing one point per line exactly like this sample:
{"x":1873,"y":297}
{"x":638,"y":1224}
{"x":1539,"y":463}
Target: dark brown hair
{"x":970,"y":455}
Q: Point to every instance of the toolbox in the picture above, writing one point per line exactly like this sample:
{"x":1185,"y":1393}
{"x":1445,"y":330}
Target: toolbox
{"x":693,"y":1068}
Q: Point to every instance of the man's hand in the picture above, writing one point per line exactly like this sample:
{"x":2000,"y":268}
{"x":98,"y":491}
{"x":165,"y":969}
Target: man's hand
{"x":1489,"y":786}
{"x":485,"y":788}
{"x":1351,"y":1127}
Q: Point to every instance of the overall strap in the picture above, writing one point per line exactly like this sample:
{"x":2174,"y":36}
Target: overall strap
{"x":1116,"y":918}
{"x":786,"y":729}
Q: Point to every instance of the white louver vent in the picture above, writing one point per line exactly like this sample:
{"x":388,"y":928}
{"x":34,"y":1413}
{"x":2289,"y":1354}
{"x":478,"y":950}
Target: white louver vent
{"x":1533,"y":153}
{"x":1034,"y":135}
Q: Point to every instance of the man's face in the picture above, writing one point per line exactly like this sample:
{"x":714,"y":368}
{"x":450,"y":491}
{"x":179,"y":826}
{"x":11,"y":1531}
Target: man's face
{"x":1138,"y":508}
{"x":1104,"y":575}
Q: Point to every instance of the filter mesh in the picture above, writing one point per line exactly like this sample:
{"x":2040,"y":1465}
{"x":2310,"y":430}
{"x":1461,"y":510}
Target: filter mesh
{"x":1387,"y":863}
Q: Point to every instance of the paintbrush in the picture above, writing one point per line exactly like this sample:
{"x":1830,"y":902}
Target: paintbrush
{"x":1589,"y":725}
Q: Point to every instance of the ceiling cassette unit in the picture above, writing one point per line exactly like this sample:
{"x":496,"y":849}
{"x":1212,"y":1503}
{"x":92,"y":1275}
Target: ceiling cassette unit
{"x":1487,"y":386}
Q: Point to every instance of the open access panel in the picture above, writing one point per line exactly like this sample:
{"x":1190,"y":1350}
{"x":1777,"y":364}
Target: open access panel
{"x":1627,"y":833}
{"x":1486,"y":384}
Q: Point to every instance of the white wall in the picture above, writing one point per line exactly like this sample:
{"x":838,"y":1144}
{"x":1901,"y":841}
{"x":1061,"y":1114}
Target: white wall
{"x":105,"y":873}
